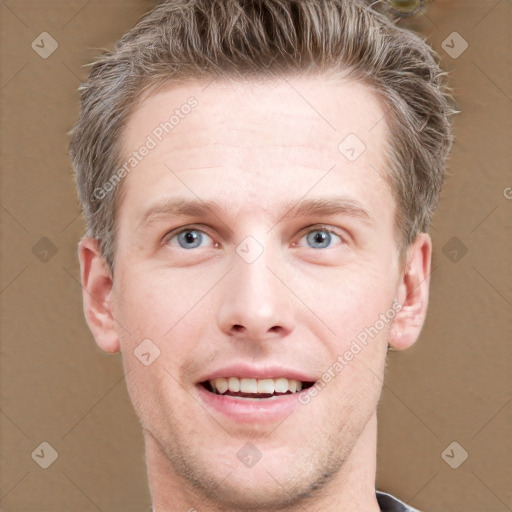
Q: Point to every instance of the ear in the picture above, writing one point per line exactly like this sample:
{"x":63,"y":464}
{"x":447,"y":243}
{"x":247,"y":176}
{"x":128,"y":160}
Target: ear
{"x":412,"y":294}
{"x":96,"y":289}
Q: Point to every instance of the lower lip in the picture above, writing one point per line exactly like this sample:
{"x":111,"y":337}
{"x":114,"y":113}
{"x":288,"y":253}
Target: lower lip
{"x":261,"y":410}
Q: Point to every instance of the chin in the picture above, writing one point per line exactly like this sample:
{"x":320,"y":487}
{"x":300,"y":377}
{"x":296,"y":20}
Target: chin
{"x":266,"y":493}
{"x":276,"y":482}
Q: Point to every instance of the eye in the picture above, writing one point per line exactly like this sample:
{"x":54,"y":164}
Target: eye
{"x":190,"y":239}
{"x":321,"y":238}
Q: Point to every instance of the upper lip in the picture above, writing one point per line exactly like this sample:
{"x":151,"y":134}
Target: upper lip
{"x":243,"y":370}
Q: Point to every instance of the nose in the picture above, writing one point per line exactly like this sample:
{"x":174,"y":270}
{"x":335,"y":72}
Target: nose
{"x":255,"y":303}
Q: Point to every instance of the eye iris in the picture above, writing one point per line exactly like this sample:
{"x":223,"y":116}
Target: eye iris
{"x":189,"y":239}
{"x":319,"y":239}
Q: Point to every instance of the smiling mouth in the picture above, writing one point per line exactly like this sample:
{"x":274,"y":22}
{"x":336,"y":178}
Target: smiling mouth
{"x":254,"y":388}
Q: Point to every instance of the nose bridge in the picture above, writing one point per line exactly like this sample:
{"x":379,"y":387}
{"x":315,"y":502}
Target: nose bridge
{"x":255,"y":304}
{"x":256,"y":280}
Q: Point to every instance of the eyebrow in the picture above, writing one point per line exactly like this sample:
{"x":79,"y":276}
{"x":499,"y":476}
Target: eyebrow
{"x":179,"y":207}
{"x":321,"y":207}
{"x":328,"y":206}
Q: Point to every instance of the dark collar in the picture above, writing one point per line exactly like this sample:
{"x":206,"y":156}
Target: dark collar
{"x":389,"y":503}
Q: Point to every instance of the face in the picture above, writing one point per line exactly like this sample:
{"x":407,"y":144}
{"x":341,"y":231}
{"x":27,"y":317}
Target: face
{"x":256,"y":254}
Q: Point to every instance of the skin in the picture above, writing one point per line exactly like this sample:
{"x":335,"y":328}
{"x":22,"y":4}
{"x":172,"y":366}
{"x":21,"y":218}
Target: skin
{"x":253,"y":148}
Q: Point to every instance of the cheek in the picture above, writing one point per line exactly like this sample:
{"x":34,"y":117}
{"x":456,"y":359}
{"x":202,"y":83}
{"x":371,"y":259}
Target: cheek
{"x":156,"y":317}
{"x":153,"y":307}
{"x":350,"y":300}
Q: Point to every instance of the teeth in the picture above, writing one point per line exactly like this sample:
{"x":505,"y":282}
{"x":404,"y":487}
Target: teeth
{"x":248,"y":386}
{"x":266,"y":386}
{"x":263,"y":386}
{"x":281,"y":385}
{"x":233,"y":384}
{"x":221,"y":385}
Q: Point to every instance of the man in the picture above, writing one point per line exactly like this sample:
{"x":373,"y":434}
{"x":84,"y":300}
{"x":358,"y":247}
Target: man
{"x":258,"y":178}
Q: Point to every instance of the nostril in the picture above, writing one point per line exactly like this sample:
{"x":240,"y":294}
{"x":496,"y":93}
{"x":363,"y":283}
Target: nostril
{"x":238,"y":328}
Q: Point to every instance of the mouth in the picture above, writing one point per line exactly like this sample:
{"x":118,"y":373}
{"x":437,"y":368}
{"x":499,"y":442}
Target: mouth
{"x":253,"y":388}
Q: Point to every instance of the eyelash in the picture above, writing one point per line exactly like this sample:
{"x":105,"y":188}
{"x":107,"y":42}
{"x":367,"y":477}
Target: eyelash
{"x":319,"y":227}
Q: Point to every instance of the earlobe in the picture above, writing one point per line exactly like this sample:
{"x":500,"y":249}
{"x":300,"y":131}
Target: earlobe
{"x":96,"y":293}
{"x":412,"y":294}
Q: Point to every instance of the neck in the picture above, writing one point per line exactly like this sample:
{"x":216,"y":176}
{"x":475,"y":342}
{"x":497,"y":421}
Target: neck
{"x":352,"y":489}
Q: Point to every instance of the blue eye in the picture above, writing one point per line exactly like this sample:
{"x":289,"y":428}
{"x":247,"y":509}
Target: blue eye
{"x":189,"y":238}
{"x":321,"y":238}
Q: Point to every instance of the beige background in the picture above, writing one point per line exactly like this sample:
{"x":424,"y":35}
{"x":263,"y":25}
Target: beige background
{"x":58,"y":387}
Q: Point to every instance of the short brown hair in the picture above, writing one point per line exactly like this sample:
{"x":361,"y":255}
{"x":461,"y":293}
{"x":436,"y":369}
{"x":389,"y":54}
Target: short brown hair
{"x":192,"y":40}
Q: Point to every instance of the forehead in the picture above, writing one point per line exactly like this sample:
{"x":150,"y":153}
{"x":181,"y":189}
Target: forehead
{"x":258,"y":140}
